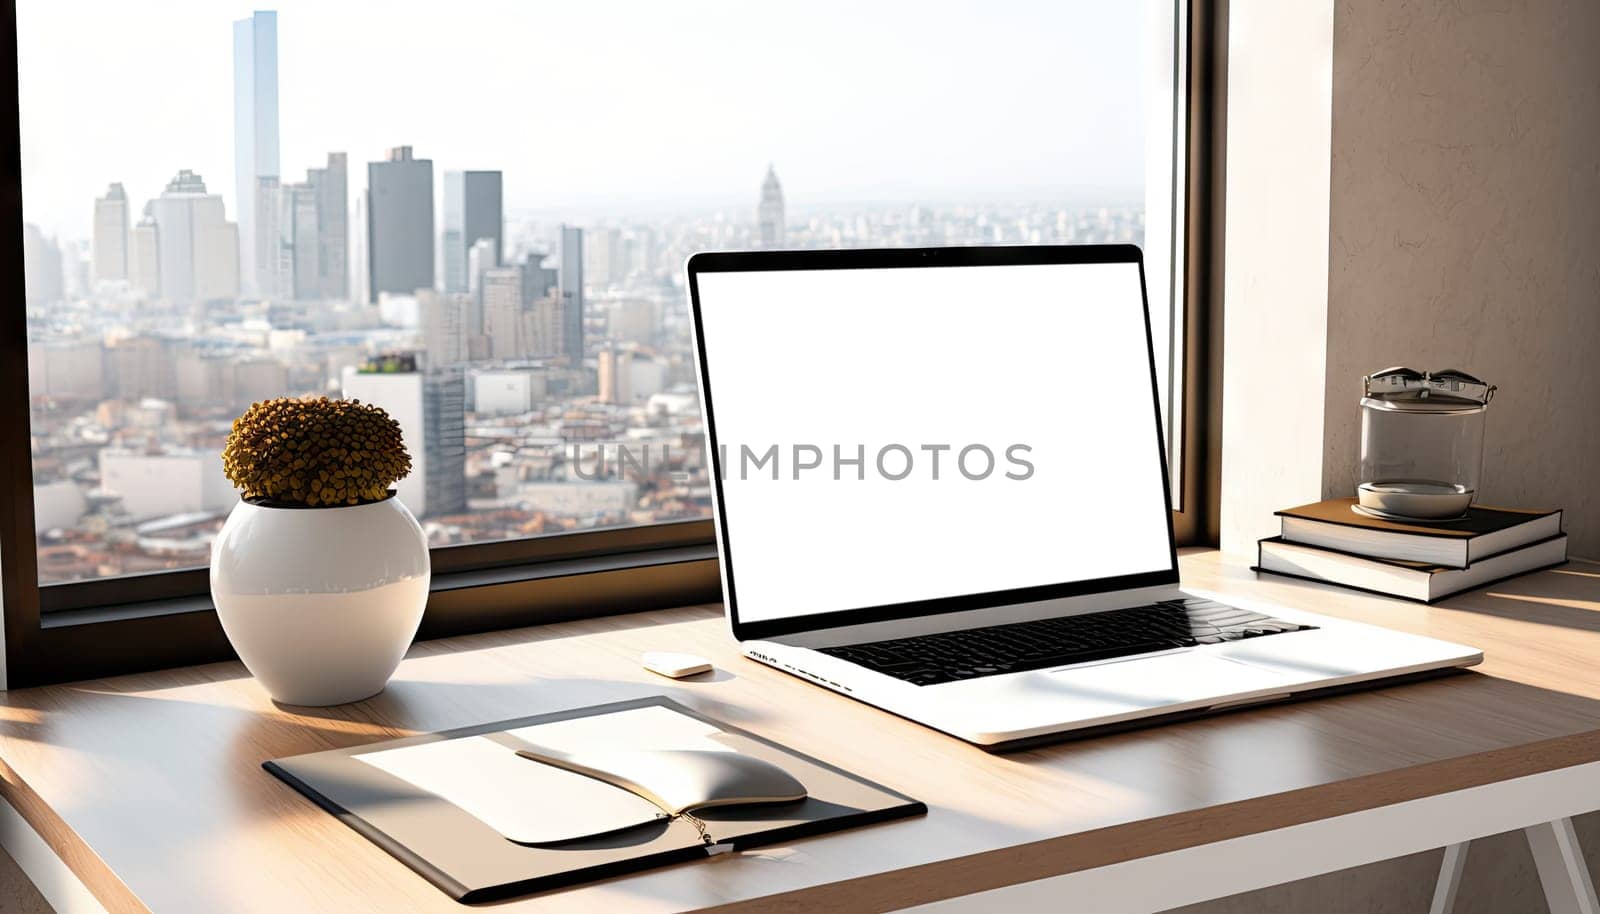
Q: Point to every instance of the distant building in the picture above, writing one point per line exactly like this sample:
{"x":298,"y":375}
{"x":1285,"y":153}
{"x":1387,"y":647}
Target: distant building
{"x":290,"y":261}
{"x":431,"y":410}
{"x":171,"y":482}
{"x":332,"y":188}
{"x":274,"y":259}
{"x":606,"y":366}
{"x":144,"y":257}
{"x":111,"y":235}
{"x":217,"y":262}
{"x":298,"y":230}
{"x":67,"y":369}
{"x":538,"y":280}
{"x":629,"y":378}
{"x":139,"y":367}
{"x":633,"y":320}
{"x":57,"y":505}
{"x":205,"y":380}
{"x":75,"y":268}
{"x":198,"y":249}
{"x":473,"y":211}
{"x":585,"y":499}
{"x":255,"y":128}
{"x":304,"y":230}
{"x":769,"y":212}
{"x":400,"y":223}
{"x":571,"y":287}
{"x":481,"y":258}
{"x":542,"y":325}
{"x":442,"y":317}
{"x":502,"y":313}
{"x":42,"y":276}
{"x":360,"y":256}
{"x":603,"y":261}
{"x":506,"y":392}
{"x":258,"y":378}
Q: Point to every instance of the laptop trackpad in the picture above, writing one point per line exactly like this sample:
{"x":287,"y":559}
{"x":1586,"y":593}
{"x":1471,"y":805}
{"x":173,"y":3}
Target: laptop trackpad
{"x":1154,"y":682}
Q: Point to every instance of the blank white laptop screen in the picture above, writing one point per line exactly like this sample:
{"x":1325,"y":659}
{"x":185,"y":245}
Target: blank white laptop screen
{"x":934,"y":432}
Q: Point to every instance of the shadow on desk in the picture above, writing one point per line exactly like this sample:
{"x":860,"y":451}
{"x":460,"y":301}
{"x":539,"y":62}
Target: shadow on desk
{"x":1566,"y":597}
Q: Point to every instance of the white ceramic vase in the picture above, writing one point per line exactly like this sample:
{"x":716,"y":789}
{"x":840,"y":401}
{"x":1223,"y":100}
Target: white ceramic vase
{"x":320,"y":603}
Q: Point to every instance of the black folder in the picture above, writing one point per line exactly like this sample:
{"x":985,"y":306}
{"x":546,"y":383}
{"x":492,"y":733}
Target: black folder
{"x":472,"y":862}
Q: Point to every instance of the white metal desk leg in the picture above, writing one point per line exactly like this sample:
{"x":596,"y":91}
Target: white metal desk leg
{"x":1562,"y":870}
{"x":1444,"y":892}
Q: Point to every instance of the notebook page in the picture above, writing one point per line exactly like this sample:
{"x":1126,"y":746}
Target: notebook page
{"x":525,"y":801}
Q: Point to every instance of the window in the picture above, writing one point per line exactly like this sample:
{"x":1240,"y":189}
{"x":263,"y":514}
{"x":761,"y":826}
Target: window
{"x":476,"y":215}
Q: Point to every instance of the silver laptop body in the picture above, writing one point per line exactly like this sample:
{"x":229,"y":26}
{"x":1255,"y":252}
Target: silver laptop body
{"x":914,"y":448}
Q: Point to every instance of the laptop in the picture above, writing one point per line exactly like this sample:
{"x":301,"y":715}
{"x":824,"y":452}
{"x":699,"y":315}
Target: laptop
{"x":940,"y":488}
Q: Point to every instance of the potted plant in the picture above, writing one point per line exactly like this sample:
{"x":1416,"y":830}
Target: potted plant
{"x":320,"y":574}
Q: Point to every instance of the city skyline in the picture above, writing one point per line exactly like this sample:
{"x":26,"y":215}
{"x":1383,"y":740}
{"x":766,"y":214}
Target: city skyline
{"x":688,"y":132}
{"x":510,"y":349}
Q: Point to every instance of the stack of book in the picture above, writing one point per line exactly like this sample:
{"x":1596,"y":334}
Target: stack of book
{"x":1419,"y":560}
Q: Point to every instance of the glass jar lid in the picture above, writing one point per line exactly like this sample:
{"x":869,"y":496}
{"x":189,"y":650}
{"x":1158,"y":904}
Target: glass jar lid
{"x":1450,"y":390}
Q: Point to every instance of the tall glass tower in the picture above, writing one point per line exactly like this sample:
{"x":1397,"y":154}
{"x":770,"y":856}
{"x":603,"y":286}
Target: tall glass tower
{"x":472,"y":211}
{"x":769,"y":213}
{"x":255,"y":129}
{"x":570,"y":281}
{"x":400,"y":223}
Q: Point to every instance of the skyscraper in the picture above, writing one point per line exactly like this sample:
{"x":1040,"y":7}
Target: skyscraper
{"x":472,"y":211}
{"x":274,"y":257}
{"x":111,"y":235}
{"x":41,"y":266}
{"x":542,"y":329}
{"x":769,"y":213}
{"x":480,"y":260}
{"x":442,"y":317}
{"x":216,"y":259}
{"x":199,"y":248}
{"x":603,"y":260}
{"x":571,"y":287}
{"x":332,"y":187}
{"x":144,"y":257}
{"x":298,"y":234}
{"x":502,"y":312}
{"x":255,"y":126}
{"x":360,"y":258}
{"x":400,"y":223}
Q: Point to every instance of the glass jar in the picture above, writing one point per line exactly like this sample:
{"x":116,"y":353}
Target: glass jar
{"x":1421,"y":443}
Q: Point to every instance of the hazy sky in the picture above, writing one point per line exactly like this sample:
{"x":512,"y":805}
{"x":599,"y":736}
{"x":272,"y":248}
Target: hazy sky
{"x":598,"y":104}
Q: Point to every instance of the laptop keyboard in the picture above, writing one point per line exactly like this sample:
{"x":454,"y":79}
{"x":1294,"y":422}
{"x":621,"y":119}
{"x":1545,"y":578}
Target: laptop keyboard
{"x":1019,"y":646}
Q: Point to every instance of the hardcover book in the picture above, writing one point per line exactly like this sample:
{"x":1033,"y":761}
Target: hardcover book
{"x":1400,"y":578}
{"x":1483,"y":532}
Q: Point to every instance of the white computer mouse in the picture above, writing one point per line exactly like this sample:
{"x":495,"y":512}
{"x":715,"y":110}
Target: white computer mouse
{"x":674,"y":665}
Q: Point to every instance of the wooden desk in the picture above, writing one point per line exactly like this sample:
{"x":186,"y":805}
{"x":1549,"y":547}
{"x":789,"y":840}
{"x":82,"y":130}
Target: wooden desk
{"x":149,"y":787}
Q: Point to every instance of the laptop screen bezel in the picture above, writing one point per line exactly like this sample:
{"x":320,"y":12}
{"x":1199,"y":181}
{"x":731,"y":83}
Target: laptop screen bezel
{"x":899,"y":258}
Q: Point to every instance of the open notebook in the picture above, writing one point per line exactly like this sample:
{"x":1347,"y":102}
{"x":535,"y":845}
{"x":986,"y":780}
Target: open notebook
{"x":513,"y":807}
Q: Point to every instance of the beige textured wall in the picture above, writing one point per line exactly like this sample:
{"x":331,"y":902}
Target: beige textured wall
{"x":1465,"y":230}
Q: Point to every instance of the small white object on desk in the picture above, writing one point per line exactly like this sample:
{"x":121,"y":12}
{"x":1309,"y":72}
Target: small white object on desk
{"x":674,"y":665}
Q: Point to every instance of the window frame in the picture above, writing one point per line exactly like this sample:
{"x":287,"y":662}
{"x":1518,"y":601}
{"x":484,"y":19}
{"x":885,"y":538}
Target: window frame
{"x":92,"y":628}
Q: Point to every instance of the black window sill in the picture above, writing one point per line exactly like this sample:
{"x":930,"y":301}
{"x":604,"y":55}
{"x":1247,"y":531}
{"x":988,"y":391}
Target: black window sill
{"x":184,"y":630}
